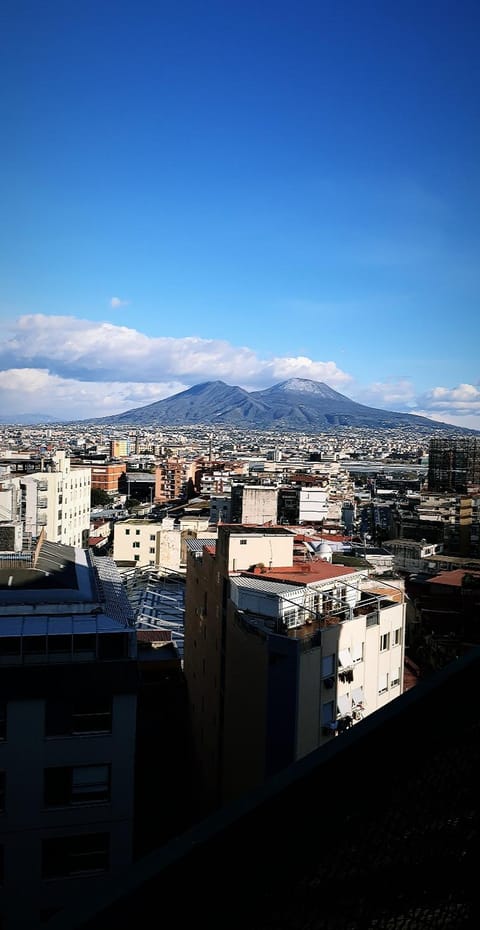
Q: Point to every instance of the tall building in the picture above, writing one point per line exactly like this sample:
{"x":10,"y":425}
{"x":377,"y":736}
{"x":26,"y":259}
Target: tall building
{"x":68,"y":688}
{"x":56,"y":500}
{"x":170,"y":479}
{"x":119,"y":448}
{"x":280,"y":657}
{"x":454,"y":464}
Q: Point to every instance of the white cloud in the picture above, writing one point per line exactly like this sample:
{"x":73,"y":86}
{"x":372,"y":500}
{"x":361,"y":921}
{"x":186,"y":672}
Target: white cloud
{"x":391,"y":394}
{"x":116,"y":303}
{"x":74,"y":369}
{"x":34,"y":390}
{"x":459,"y":405}
{"x":89,"y":350}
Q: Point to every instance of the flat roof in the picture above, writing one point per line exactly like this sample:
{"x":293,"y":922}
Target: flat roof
{"x":454,"y":578}
{"x":313,"y":571}
{"x":54,"y":573}
{"x":241,"y":529}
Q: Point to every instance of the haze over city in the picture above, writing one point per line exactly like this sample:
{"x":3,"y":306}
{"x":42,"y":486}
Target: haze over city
{"x":245,"y":192}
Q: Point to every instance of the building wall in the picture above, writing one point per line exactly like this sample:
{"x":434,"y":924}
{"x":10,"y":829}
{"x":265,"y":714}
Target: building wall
{"x":245,"y":713}
{"x":106,"y":477}
{"x":27,"y":823}
{"x":137,"y":541}
{"x":250,"y":549}
{"x":313,"y":505}
{"x":259,"y":505}
{"x":58,"y":502}
{"x":204,"y":658}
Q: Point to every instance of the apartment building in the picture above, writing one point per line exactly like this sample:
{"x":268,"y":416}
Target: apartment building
{"x":106,"y":477}
{"x":56,"y":500}
{"x":255,"y":504}
{"x":68,"y":688}
{"x":280,"y":657}
{"x":171,"y":478}
{"x":158,"y":544}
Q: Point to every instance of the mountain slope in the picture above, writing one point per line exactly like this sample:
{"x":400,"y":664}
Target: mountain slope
{"x":291,"y":405}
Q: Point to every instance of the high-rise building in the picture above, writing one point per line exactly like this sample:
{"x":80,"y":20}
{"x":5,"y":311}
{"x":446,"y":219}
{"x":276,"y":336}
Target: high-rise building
{"x":280,"y":656}
{"x":454,"y":464}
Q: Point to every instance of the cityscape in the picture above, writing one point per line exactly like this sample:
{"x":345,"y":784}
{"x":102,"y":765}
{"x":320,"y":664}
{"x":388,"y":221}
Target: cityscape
{"x":239,"y":465}
{"x":185,"y":581}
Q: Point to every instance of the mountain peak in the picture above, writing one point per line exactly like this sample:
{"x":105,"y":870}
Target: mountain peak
{"x":306,"y":386}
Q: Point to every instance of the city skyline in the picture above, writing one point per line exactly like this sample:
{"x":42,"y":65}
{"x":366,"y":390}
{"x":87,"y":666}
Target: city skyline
{"x":247,"y":194}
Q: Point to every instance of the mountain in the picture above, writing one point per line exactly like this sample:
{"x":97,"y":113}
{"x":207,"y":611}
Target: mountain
{"x":296,"y":404}
{"x":28,"y":419}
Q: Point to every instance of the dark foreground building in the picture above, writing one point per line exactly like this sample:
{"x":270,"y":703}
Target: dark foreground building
{"x":376,"y":831}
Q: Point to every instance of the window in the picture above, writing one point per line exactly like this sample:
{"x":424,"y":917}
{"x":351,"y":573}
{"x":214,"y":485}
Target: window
{"x":152,"y":550}
{"x":34,"y":648}
{"x":87,"y":715}
{"x":9,"y":647}
{"x":84,"y":645}
{"x":243,"y":542}
{"x":328,"y":713}
{"x":384,"y":642}
{"x":75,"y":855}
{"x":3,"y":720}
{"x":136,"y":558}
{"x":67,"y":786}
{"x":2,"y":791}
{"x":127,"y":532}
{"x":395,"y":678}
{"x":90,"y":783}
{"x":112,"y":646}
{"x":328,"y":665}
{"x":137,"y":532}
{"x":152,"y":537}
{"x":397,"y":636}
{"x":60,"y":645}
{"x":383,"y":683}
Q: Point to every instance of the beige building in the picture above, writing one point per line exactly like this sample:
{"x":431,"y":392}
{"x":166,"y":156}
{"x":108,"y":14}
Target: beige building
{"x":281,"y":657}
{"x":158,"y":544}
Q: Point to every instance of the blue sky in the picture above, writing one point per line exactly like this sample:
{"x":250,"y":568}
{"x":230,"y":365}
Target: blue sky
{"x":239,"y":190}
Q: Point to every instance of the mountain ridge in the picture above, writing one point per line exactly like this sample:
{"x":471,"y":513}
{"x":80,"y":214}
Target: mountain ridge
{"x":294,"y":404}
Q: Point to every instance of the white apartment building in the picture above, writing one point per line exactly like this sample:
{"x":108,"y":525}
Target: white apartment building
{"x":313,"y":505}
{"x":57,"y":501}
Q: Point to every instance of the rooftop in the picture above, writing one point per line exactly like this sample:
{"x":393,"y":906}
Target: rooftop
{"x":452,"y":579}
{"x":305,"y":572}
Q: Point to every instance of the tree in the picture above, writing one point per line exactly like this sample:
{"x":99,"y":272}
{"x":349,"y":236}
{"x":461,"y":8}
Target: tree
{"x":99,"y":498}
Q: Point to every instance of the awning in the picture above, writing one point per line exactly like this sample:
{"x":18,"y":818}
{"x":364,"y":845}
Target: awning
{"x":357,"y":695}
{"x":344,"y":704}
{"x":345,"y":658}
